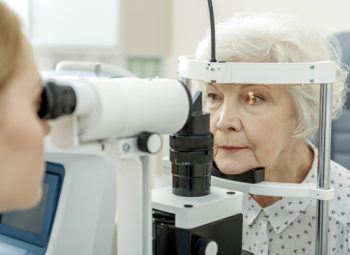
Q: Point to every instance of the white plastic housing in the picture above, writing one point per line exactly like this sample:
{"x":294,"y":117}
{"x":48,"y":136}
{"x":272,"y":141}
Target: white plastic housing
{"x":128,"y":106}
{"x":308,"y":190}
{"x":123,"y":107}
{"x":85,"y":216}
{"x":257,"y":73}
{"x":219,"y":204}
{"x":96,"y":68}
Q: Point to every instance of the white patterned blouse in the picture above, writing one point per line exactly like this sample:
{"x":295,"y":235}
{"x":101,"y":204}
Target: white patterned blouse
{"x":288,"y":227}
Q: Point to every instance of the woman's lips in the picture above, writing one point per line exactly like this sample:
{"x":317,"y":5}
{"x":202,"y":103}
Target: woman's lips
{"x":231,"y":149}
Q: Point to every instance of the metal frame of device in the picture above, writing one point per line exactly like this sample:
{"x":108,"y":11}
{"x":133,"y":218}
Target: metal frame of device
{"x":310,"y":73}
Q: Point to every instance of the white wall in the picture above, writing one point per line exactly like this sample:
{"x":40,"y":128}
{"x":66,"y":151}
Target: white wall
{"x":174,"y":27}
{"x":146,"y":27}
{"x":143,"y":30}
{"x":190,"y":19}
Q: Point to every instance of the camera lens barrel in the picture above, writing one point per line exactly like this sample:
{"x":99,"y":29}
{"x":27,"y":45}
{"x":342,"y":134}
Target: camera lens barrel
{"x":191,"y":154}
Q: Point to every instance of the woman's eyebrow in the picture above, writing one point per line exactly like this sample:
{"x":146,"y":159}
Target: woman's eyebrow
{"x":250,"y":85}
{"x":239,"y":86}
{"x":213,"y":86}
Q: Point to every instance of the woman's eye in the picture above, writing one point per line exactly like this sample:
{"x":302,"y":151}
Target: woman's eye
{"x":253,"y":99}
{"x":213,"y":97}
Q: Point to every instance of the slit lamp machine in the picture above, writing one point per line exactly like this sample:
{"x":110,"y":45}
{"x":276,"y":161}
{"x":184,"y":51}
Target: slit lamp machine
{"x":111,"y":123}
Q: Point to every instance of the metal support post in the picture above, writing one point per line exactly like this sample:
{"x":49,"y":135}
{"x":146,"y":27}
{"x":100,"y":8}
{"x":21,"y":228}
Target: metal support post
{"x":323,"y":177}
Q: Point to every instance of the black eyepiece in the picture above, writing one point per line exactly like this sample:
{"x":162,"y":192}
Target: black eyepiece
{"x":56,"y":101}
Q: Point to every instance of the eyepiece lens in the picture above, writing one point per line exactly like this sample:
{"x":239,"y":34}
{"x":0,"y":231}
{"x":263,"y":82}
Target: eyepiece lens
{"x":57,"y":100}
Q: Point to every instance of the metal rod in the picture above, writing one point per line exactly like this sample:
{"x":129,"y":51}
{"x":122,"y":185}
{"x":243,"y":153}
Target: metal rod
{"x":147,"y":204}
{"x":323,"y":177}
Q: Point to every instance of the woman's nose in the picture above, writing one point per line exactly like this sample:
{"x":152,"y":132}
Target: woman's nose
{"x":229,"y":120}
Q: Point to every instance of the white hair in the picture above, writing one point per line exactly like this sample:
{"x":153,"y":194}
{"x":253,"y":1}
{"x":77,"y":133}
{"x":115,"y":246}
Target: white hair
{"x":271,"y":37}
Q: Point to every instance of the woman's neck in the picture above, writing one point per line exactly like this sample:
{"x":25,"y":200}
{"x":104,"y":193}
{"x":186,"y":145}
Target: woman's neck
{"x":292,"y":167}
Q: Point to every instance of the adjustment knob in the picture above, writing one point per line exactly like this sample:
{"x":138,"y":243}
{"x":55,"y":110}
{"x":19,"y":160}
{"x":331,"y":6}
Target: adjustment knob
{"x":204,"y":246}
{"x":149,"y":142}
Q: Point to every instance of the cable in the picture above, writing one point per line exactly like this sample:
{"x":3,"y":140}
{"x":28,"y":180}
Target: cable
{"x":212,"y":31}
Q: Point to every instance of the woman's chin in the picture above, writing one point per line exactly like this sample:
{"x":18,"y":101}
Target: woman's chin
{"x":236,"y":163}
{"x":232,"y":168}
{"x":32,"y":199}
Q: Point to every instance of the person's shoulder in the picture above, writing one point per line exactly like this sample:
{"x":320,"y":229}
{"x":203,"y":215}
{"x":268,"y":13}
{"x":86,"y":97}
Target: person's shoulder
{"x":339,"y":207}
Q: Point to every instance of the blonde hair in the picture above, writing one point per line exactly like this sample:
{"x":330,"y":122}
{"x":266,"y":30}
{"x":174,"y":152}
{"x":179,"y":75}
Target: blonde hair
{"x":10,"y":43}
{"x":272,"y":37}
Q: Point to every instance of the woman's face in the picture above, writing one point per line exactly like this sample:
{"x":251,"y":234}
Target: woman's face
{"x":252,"y":125}
{"x":21,"y":136}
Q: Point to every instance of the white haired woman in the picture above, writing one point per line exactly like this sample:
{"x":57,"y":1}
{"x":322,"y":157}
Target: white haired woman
{"x":270,"y":126}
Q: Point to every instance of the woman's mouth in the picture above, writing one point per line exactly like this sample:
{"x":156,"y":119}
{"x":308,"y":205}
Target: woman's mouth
{"x":231,"y":149}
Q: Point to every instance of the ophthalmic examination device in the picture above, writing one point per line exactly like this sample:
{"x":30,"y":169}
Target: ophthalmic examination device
{"x":109,"y":124}
{"x":111,"y":128}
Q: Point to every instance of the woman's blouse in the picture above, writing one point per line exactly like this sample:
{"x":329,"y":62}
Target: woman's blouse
{"x":288,"y":227}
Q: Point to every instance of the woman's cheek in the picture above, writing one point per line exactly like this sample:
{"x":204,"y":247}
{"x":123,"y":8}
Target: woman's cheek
{"x":213,"y":121}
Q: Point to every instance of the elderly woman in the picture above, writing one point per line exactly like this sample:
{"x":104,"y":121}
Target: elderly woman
{"x":270,"y":126}
{"x":21,"y":131}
